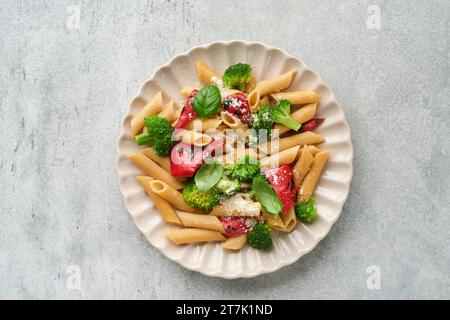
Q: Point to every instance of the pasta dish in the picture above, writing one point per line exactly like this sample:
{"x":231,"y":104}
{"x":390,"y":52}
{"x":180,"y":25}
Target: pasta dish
{"x":239,"y":159}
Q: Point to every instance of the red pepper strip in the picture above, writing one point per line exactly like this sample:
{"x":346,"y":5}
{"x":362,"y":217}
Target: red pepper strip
{"x":188,"y":113}
{"x":281,"y":180}
{"x":215,"y":148}
{"x":235,"y":226}
{"x":185,"y":160}
{"x":311,"y":125}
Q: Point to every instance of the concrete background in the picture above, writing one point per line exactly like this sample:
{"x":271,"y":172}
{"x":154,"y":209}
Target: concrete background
{"x":65,"y":86}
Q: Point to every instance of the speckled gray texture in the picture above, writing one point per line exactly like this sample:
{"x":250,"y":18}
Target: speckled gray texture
{"x":63,"y":92}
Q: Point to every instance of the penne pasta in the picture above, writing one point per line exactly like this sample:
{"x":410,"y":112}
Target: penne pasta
{"x":277,"y":159}
{"x":299,"y":139}
{"x":193,"y":137}
{"x":302,"y":166}
{"x":276,"y":84}
{"x":301,"y":116}
{"x":204,"y":124}
{"x":205,"y":73}
{"x":170,"y":194}
{"x":222,"y":127}
{"x":168,"y":112}
{"x":202,"y":221}
{"x":274,"y":221}
{"x":289,"y":219}
{"x":231,"y":122}
{"x":310,"y":181}
{"x":153,"y":170}
{"x":176,"y":116}
{"x":186,"y":91}
{"x":153,"y":107}
{"x":297,"y":97}
{"x":253,"y":100}
{"x":165,"y":209}
{"x":284,"y":221}
{"x":264,"y":100}
{"x":163,"y":162}
{"x":193,"y":235}
{"x":235,"y":243}
{"x":313,"y":149}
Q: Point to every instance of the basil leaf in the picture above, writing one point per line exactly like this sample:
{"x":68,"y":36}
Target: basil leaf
{"x":207,"y":101}
{"x":208,"y":175}
{"x":266,"y":196}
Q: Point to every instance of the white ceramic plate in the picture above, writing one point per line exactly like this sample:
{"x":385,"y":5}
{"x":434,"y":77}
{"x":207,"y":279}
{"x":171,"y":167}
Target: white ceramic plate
{"x":331,"y":193}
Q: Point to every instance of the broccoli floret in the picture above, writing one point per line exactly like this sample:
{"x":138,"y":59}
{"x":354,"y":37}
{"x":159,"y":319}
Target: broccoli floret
{"x":262,"y":120}
{"x":200,"y":200}
{"x":227,"y":186}
{"x":281,"y":113}
{"x":306,"y":211}
{"x":260,"y":236}
{"x":237,"y":76}
{"x":158,"y":135}
{"x":243,"y":170}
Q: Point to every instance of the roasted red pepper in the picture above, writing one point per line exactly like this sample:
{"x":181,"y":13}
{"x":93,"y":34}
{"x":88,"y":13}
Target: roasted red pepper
{"x":311,"y":125}
{"x":237,"y":105}
{"x":215,"y":148}
{"x":236,"y":226}
{"x":281,"y":180}
{"x":186,"y":159}
{"x":188,"y":113}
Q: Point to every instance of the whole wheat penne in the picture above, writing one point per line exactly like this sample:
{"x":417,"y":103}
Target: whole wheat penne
{"x":204,"y":124}
{"x":205,"y":73}
{"x":202,"y":221}
{"x":153,"y":107}
{"x":313,"y":149}
{"x":302,"y":166}
{"x":153,"y":170}
{"x":301,"y":116}
{"x":186,"y":91}
{"x":165,"y":209}
{"x":222,"y":127}
{"x":310,"y":181}
{"x":193,"y":235}
{"x":276,"y":84}
{"x":254,"y":99}
{"x":297,"y":97}
{"x":193,"y":137}
{"x":168,"y":111}
{"x":277,"y":159}
{"x":235,"y":243}
{"x":176,"y":116}
{"x":289,"y":220}
{"x":274,"y":221}
{"x":231,"y":122}
{"x":264,"y":100}
{"x":163,"y":162}
{"x":300,"y":139}
{"x":170,"y":194}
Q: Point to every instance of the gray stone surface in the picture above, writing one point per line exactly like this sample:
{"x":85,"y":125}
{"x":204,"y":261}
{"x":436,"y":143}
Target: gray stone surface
{"x":63,"y":91}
